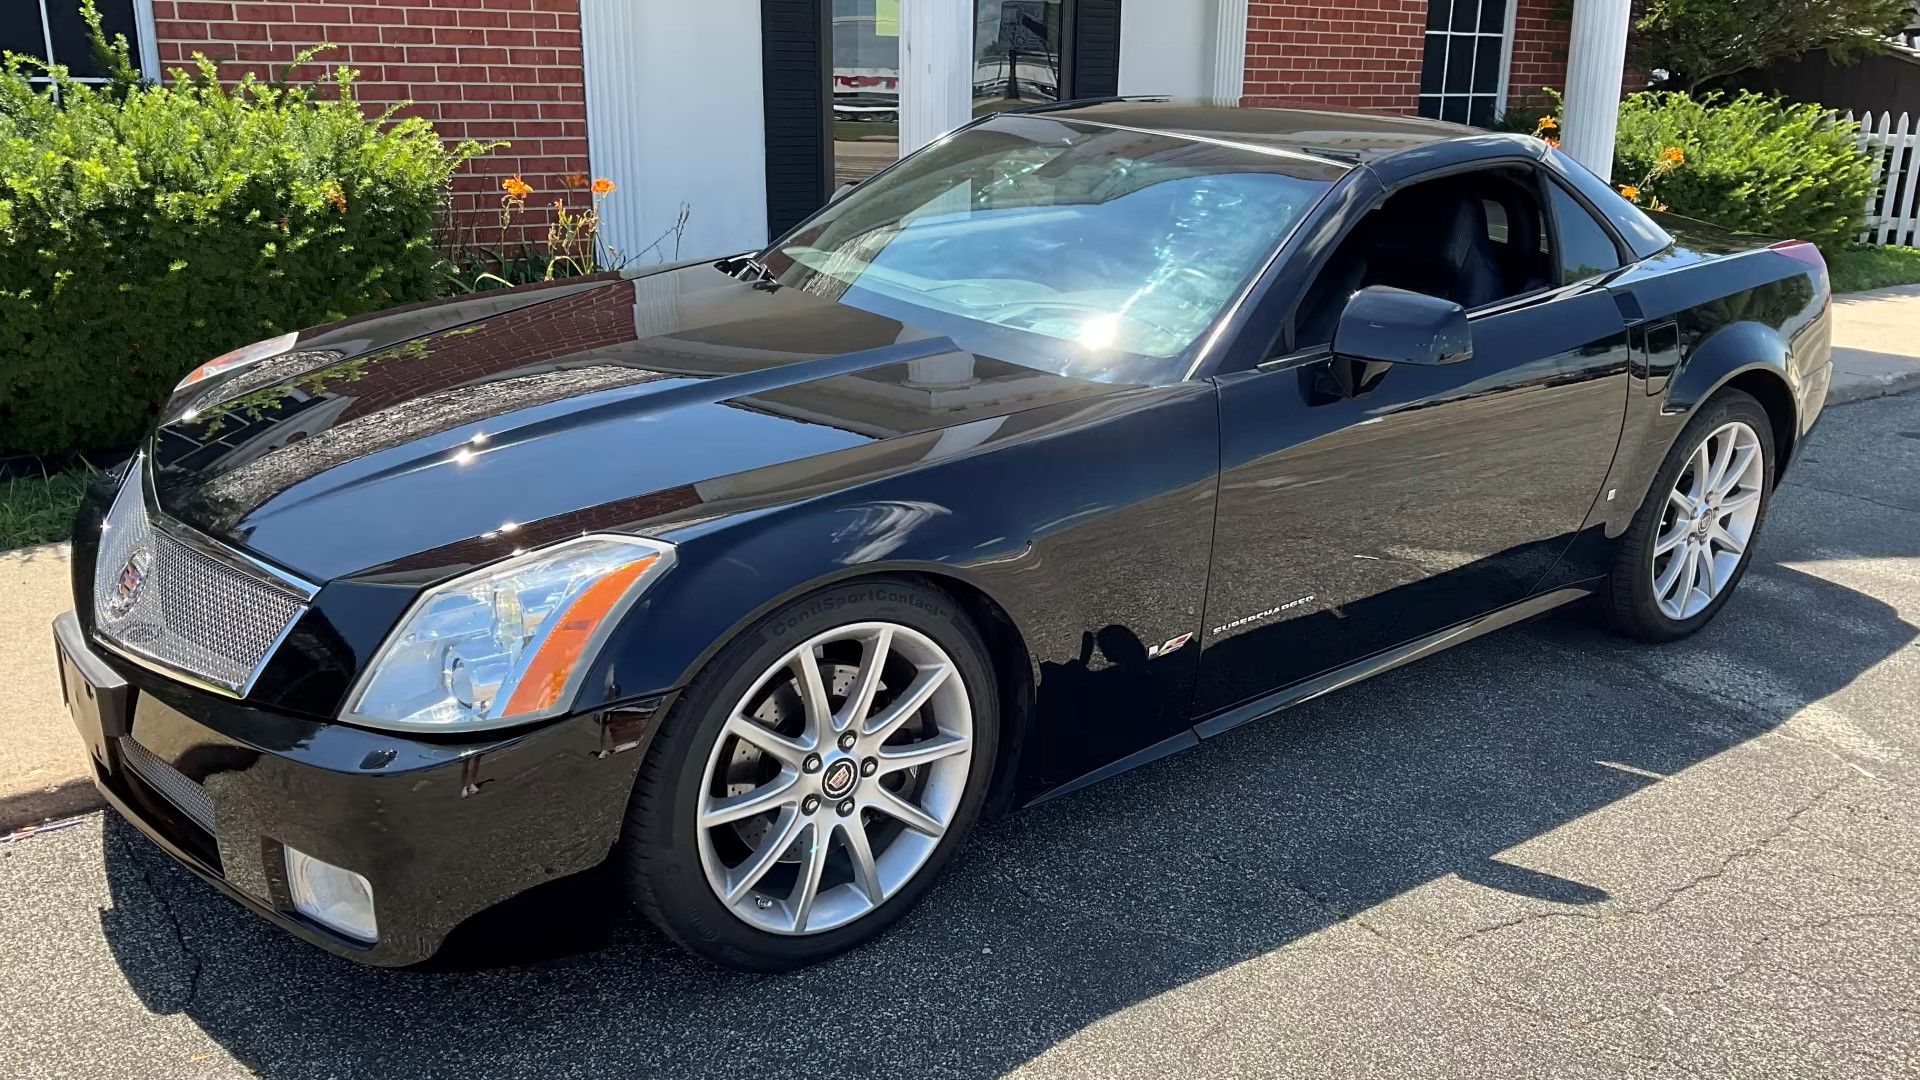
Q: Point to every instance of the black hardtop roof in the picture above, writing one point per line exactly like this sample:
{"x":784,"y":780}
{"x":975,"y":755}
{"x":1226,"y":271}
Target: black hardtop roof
{"x":1332,"y":134}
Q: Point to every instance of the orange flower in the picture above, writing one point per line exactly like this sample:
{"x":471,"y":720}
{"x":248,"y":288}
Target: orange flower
{"x":1630,"y":192}
{"x":575,"y":180}
{"x":603,"y":186}
{"x":1553,"y":142}
{"x":337,"y":197}
{"x":1673,"y":155}
{"x":516,"y":188}
{"x":1548,"y":123}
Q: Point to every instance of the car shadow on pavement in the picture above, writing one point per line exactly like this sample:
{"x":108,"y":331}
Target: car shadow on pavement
{"x":1053,"y":918}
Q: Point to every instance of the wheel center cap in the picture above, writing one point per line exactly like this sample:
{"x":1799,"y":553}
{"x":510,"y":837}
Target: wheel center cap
{"x":837,"y":780}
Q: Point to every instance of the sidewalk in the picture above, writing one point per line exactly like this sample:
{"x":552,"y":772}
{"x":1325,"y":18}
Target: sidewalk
{"x":1876,"y":343}
{"x":43,"y":767}
{"x":42,"y":764}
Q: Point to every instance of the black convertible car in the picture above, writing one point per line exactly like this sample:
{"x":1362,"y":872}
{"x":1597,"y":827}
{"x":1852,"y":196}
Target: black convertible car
{"x":1080,"y":436}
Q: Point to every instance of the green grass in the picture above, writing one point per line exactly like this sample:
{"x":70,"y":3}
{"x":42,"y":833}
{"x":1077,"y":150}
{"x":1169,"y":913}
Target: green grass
{"x":40,"y":509}
{"x":1874,"y":268}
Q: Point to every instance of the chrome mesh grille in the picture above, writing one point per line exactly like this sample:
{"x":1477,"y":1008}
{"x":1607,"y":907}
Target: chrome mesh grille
{"x":157,"y":598}
{"x":191,"y":798}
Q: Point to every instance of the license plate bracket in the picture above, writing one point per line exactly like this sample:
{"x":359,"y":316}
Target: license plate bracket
{"x":98,"y":699}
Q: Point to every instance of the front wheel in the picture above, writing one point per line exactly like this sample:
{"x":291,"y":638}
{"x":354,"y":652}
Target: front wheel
{"x":814,"y":778}
{"x":1693,"y":537}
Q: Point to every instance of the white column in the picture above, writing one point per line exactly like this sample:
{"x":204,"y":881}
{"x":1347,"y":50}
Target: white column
{"x":936,"y":69}
{"x":1596,"y":62}
{"x":1229,"y":52}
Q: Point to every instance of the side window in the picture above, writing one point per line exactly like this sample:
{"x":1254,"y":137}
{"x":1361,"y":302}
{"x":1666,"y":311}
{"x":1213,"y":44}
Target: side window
{"x":1585,"y":248}
{"x":1471,"y":238}
{"x":1496,"y":221}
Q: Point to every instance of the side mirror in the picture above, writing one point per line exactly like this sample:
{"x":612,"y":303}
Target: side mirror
{"x":1393,"y":326}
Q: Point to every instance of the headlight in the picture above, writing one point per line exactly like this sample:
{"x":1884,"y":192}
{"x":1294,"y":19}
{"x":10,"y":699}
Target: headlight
{"x":508,"y":643}
{"x":226,"y":363}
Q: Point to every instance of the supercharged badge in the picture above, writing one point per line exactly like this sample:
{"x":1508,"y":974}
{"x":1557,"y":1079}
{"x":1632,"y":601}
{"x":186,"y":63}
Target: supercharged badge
{"x":1267,"y":614}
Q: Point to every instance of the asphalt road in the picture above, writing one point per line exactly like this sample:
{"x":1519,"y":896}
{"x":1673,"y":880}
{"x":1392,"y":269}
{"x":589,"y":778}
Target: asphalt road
{"x":1548,"y":853}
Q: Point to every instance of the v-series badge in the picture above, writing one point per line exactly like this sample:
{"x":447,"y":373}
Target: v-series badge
{"x":1267,"y":614}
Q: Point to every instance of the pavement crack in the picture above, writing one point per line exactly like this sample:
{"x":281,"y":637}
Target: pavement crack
{"x":1852,"y":495}
{"x":196,"y":966}
{"x":1717,"y":871}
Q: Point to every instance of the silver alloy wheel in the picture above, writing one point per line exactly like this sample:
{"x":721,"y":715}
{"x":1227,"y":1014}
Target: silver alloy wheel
{"x":1708,"y":520}
{"x":856,"y":744}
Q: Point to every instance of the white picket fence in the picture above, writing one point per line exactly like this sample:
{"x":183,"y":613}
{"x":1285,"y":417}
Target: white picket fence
{"x":1893,"y":209}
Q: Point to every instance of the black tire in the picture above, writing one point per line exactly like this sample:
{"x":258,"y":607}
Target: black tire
{"x":1632,"y":608}
{"x":658,"y":857}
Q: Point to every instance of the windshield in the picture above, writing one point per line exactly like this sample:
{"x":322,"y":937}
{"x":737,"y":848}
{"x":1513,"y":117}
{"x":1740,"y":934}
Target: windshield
{"x":1079,"y":249}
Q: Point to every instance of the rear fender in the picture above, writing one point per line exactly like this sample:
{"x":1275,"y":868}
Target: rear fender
{"x":1719,"y":358}
{"x":1745,"y":351}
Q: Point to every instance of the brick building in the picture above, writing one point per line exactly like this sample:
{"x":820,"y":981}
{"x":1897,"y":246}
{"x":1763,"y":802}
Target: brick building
{"x":746,"y":113}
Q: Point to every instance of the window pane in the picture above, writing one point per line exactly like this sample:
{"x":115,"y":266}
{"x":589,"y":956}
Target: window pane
{"x":1438,"y":12}
{"x":1455,"y":110}
{"x":1433,"y":64}
{"x":20,"y":29}
{"x":1585,"y":248}
{"x":1459,"y":64}
{"x":70,"y":44}
{"x":1486,"y":66}
{"x":1016,"y":53}
{"x":1493,"y":16}
{"x":1464,"y":12}
{"x":1641,"y":234}
{"x":1480,"y":113}
{"x":1430,"y":107}
{"x":866,"y":87}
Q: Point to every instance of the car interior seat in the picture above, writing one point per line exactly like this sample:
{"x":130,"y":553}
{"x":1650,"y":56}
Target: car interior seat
{"x":1434,"y":238}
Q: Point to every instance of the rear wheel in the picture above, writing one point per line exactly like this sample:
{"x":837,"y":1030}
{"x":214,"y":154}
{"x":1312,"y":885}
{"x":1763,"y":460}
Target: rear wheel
{"x":815,"y":777}
{"x":1692,"y":539}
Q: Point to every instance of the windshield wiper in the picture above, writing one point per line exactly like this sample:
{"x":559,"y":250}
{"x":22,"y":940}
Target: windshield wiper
{"x":748,"y":267}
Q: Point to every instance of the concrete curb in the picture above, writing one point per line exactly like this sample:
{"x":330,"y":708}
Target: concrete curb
{"x":1861,"y":388}
{"x":24,"y":809}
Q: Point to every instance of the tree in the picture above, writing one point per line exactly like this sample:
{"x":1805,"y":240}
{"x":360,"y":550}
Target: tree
{"x":1698,"y":41}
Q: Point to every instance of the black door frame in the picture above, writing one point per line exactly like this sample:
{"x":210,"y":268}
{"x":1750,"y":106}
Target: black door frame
{"x":796,"y":57}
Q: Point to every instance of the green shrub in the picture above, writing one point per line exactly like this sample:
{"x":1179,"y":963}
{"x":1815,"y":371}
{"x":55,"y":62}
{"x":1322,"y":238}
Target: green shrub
{"x":1752,"y":163}
{"x":144,"y":229}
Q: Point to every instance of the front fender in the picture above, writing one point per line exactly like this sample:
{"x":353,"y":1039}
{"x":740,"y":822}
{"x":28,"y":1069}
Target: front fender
{"x":1088,"y":525}
{"x":724,"y":584}
{"x":1052,"y":518}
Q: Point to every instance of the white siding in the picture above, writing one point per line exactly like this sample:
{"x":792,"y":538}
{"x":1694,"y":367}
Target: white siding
{"x":1166,"y":47}
{"x":674,"y":117}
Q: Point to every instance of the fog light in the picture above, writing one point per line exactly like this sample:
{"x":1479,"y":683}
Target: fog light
{"x":337,"y":899}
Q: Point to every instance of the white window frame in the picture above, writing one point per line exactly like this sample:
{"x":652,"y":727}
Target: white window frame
{"x":146,"y":50}
{"x":1499,"y":94}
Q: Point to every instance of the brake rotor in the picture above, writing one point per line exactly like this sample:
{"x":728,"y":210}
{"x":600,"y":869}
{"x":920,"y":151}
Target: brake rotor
{"x":749,"y":767}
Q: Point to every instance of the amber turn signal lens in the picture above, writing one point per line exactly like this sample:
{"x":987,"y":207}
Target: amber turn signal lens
{"x":545,"y":679}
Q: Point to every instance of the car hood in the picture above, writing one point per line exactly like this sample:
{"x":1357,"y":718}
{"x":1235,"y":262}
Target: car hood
{"x":419,"y":441}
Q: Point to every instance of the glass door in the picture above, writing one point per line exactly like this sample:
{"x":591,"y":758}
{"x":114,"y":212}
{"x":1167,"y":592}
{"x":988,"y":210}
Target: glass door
{"x":866,"y":88}
{"x":1018,"y":58}
{"x":1017,"y":47}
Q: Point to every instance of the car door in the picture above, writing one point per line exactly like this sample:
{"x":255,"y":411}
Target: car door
{"x":1365,"y":505}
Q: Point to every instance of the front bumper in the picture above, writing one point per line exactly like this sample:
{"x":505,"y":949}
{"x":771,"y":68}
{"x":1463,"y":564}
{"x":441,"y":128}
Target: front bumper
{"x":442,"y":829}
